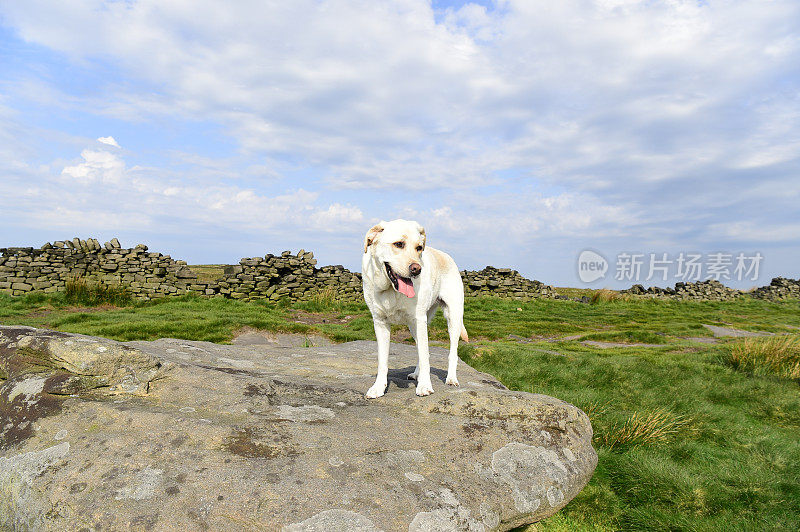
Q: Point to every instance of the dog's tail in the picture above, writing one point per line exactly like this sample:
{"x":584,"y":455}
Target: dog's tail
{"x":464,"y":335}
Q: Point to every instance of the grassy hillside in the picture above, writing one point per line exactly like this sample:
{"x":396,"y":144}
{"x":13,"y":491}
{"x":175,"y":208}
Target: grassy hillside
{"x":692,"y":435}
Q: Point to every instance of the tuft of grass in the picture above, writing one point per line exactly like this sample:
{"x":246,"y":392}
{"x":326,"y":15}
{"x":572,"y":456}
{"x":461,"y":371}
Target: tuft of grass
{"x":79,"y":291}
{"x":604,"y":295}
{"x":767,"y":356}
{"x":651,"y":428}
{"x":325,"y":298}
{"x":595,"y":409}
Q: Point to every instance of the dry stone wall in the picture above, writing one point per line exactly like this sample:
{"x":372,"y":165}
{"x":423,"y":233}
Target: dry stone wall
{"x":288,"y":276}
{"x":709,"y":290}
{"x":713,"y":290}
{"x":779,"y":288}
{"x":295,"y":277}
{"x":148,"y":275}
{"x":503,"y":282}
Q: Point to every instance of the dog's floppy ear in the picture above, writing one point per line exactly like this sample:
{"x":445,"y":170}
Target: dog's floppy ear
{"x":422,"y":235}
{"x":372,"y":235}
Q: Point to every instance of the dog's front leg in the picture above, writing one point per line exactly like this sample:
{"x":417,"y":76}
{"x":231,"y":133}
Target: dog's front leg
{"x":382,"y":334}
{"x":424,"y":386}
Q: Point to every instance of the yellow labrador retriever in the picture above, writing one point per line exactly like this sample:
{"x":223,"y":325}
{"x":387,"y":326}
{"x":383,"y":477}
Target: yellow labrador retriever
{"x":405,"y":282}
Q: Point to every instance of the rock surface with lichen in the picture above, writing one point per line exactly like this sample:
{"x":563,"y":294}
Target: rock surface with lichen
{"x":175,"y":434}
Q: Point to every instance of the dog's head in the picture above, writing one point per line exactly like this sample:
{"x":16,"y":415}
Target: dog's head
{"x":398,"y":247}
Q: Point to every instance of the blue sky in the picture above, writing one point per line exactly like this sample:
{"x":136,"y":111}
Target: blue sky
{"x":518,"y":132}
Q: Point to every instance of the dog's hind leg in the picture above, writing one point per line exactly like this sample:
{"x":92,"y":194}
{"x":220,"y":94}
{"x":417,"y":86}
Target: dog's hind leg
{"x":424,"y":386}
{"x":453,"y":309}
{"x":454,"y":318}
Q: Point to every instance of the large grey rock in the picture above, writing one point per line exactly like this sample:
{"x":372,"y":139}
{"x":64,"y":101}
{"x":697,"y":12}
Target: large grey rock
{"x":260,"y":437}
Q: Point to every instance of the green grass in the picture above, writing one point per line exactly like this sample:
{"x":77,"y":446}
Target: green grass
{"x":685,"y":442}
{"x":187,"y":317}
{"x":494,"y":318}
{"x":80,"y":291}
{"x":688,"y":436}
{"x":645,"y":321}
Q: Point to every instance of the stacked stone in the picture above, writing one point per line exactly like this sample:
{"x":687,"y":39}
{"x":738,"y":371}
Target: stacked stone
{"x":292,"y":277}
{"x":23,"y":270}
{"x":503,"y":282}
{"x":147,"y":275}
{"x":709,"y":290}
{"x":778,"y":288}
{"x":338,"y":279}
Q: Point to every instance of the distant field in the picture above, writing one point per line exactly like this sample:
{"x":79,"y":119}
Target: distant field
{"x":574,"y":292}
{"x":691,"y":435}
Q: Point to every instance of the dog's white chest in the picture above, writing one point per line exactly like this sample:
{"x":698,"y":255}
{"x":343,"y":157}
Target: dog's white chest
{"x":394,"y":307}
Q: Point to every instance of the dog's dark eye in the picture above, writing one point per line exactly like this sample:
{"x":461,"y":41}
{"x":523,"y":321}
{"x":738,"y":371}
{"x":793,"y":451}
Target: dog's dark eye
{"x":400,"y":244}
{"x":419,"y":248}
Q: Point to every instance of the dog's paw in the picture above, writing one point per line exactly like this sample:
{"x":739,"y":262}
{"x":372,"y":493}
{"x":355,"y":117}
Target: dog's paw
{"x":452,"y":381}
{"x":413,"y":376}
{"x":377,"y":390}
{"x":424,"y":389}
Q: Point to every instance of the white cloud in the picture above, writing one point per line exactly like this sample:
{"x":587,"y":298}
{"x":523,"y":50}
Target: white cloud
{"x":338,"y":217}
{"x":109,"y":140}
{"x":103,"y":191}
{"x":380,"y":95}
{"x":768,"y":155}
{"x":97,"y":166}
{"x":755,"y":233}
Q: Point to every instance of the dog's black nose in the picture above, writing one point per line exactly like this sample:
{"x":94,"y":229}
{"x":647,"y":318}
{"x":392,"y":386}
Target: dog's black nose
{"x":414,"y":268}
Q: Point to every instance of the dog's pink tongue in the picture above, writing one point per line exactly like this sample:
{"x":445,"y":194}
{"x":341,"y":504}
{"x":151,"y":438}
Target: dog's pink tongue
{"x":405,"y":287}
